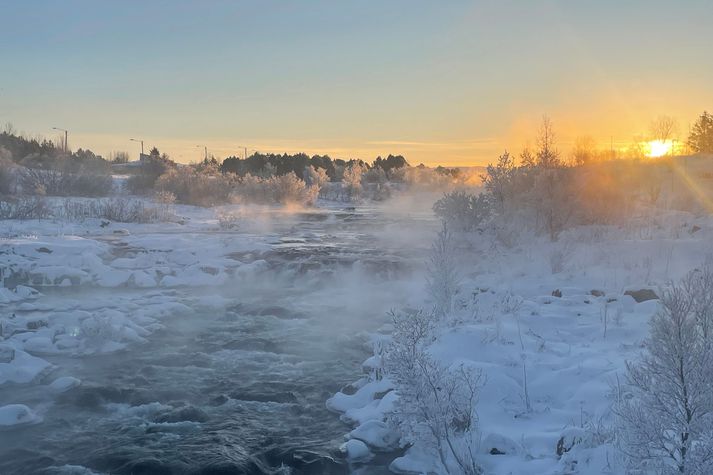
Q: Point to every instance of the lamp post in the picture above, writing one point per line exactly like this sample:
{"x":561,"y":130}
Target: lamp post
{"x":142,"y":144}
{"x":65,"y":137}
{"x":205,"y":148}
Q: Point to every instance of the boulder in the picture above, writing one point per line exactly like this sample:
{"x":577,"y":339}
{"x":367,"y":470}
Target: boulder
{"x":642,"y":295}
{"x":7,"y":354}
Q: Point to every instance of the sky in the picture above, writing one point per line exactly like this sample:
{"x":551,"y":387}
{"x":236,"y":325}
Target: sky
{"x":452,"y":82}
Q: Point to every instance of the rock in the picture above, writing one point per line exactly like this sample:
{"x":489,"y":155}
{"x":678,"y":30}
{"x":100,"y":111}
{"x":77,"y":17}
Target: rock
{"x":557,"y":293}
{"x":695,"y":229}
{"x":496,"y":444}
{"x":642,"y":295}
{"x":381,"y":394}
{"x":17,"y":414}
{"x":36,"y":324}
{"x":349,"y":389}
{"x":597,"y":293}
{"x":376,"y":434}
{"x":44,"y":250}
{"x":568,"y":440}
{"x":64,"y":384}
{"x":356,"y":451}
{"x":7,"y":354}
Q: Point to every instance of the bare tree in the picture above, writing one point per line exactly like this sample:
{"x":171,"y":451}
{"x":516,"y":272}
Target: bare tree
{"x":698,"y":285}
{"x":667,"y":419}
{"x":663,"y":128}
{"x":498,"y":180}
{"x":547,"y":154}
{"x":443,"y":278}
{"x":584,"y":150}
{"x":436,"y":404}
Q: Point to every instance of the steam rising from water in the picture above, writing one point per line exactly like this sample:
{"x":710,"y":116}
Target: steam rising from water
{"x":238,"y":384}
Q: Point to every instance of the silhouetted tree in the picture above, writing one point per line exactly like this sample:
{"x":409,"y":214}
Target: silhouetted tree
{"x":701,"y":138}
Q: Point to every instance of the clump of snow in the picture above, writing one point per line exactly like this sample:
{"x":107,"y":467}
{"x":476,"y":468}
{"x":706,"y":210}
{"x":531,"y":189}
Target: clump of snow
{"x":17,"y":415}
{"x":355,"y":450}
{"x":64,"y":384}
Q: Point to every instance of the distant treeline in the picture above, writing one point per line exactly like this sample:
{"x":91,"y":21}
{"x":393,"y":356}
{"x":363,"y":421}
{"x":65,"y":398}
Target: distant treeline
{"x":275,"y":164}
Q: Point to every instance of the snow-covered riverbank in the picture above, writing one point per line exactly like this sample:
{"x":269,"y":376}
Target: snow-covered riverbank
{"x":550,"y":327}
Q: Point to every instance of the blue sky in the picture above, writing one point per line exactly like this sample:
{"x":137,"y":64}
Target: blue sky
{"x":450,"y":82}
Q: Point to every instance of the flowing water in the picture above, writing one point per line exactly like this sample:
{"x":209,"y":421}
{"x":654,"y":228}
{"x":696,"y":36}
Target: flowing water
{"x":243,"y":389}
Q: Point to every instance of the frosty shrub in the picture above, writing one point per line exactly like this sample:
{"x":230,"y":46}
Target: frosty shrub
{"x":352,"y":181}
{"x":228,"y":221}
{"x":151,"y":168}
{"x":463,"y":211}
{"x":289,"y":188}
{"x":189,"y":186}
{"x":121,"y":210}
{"x":698,"y":286}
{"x":443,"y":277}
{"x":64,"y":182}
{"x":436,"y":404}
{"x":7,"y":175}
{"x":25,"y":207}
{"x":666,"y":412}
{"x":316,"y":177}
{"x":281,"y":189}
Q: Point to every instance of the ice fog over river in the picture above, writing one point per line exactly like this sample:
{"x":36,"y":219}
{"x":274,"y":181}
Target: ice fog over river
{"x":188,"y":348}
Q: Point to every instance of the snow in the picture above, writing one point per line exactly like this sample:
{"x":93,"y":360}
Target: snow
{"x":64,"y":384}
{"x":17,"y":415}
{"x":572,"y":329}
{"x":356,"y":451}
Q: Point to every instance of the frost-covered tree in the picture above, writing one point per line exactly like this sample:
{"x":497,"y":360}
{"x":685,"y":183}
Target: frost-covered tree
{"x":316,"y":176}
{"x":698,"y":285}
{"x":498,"y":180}
{"x":436,"y":404}
{"x":667,"y":413}
{"x":443,"y":277}
{"x":352,"y":180}
{"x":463,"y":211}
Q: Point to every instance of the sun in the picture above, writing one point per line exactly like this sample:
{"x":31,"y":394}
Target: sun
{"x":658,"y":148}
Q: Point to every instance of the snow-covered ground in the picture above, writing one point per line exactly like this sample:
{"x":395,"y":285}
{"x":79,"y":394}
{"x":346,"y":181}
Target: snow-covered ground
{"x":560,"y":316}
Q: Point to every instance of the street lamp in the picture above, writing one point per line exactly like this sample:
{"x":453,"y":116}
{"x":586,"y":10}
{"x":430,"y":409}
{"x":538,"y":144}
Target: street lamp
{"x":142,"y":144}
{"x":65,"y":137}
{"x":206,"y":151}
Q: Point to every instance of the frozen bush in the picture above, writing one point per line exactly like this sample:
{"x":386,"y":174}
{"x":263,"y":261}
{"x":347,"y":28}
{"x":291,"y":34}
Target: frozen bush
{"x":436,"y":404}
{"x":443,"y":277}
{"x":463,"y":211}
{"x":145,"y":176}
{"x":25,"y":207}
{"x":191,"y":187}
{"x":666,"y":411}
{"x":7,"y":174}
{"x":352,"y":181}
{"x":282,"y":189}
{"x":228,"y":221}
{"x":121,"y":210}
{"x":63,"y":182}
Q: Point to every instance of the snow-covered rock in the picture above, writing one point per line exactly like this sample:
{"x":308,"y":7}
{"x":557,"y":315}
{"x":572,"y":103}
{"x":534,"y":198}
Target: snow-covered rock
{"x":17,"y":415}
{"x":355,"y":450}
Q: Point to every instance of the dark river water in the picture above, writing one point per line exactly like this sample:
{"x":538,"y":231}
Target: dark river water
{"x":242,"y":389}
